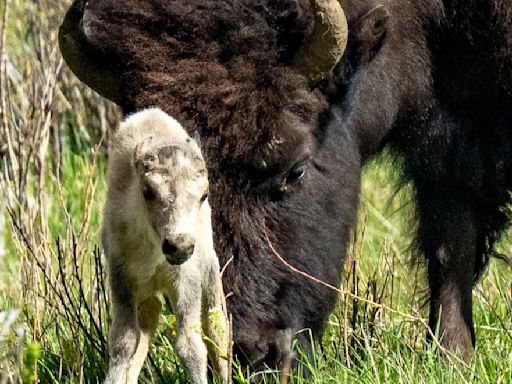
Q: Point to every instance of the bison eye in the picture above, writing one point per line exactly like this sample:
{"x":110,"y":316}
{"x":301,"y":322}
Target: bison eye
{"x":296,"y":174}
{"x":148,"y":193}
{"x":203,"y":198}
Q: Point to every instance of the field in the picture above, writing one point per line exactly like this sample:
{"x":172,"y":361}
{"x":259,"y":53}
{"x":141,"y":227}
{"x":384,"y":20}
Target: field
{"x":54,"y":311}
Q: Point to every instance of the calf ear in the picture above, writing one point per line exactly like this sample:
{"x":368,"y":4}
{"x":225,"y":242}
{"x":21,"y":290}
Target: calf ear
{"x":369,"y":31}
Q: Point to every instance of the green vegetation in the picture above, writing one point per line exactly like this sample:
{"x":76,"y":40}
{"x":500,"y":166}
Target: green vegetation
{"x":54,"y":310}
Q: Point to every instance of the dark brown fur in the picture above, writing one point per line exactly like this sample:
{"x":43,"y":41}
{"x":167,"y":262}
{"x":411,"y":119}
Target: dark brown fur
{"x":221,"y":68}
{"x":429,"y":78}
{"x":435,"y":85}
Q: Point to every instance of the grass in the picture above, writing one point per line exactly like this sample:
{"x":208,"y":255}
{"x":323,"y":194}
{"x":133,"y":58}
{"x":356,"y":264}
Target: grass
{"x":53,"y":309}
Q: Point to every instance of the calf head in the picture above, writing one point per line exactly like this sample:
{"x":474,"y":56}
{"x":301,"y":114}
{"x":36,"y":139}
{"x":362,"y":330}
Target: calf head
{"x":173,"y":185}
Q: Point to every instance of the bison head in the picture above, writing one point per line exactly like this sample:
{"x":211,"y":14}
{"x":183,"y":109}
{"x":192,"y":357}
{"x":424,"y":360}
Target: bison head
{"x":283,"y":173}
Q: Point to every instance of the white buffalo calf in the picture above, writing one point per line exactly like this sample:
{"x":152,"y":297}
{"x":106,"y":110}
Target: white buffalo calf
{"x":157,"y":237}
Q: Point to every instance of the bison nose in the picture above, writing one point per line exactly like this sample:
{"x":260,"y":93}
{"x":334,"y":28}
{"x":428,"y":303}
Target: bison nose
{"x":177,"y":249}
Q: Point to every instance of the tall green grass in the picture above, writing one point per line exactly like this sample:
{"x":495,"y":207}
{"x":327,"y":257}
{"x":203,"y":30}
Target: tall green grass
{"x":54,"y":309}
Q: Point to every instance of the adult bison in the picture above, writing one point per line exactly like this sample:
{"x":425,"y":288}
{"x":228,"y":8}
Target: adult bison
{"x":284,"y":143}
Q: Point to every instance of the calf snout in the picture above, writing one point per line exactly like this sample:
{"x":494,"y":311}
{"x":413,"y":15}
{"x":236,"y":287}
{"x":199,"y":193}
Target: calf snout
{"x":178,"y":248}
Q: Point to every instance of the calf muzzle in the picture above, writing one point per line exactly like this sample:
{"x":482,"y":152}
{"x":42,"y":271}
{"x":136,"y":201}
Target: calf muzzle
{"x":178,"y":249}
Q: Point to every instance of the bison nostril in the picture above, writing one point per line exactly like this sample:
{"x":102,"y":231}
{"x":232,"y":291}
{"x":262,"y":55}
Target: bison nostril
{"x":169,"y":248}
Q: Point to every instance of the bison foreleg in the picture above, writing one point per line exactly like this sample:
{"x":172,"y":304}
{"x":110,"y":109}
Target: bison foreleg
{"x":449,"y":239}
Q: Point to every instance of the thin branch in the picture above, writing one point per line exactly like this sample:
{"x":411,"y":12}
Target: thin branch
{"x":332,"y":287}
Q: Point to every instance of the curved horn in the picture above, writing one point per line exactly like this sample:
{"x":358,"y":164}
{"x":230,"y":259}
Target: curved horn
{"x":324,"y":48}
{"x":92,"y":67}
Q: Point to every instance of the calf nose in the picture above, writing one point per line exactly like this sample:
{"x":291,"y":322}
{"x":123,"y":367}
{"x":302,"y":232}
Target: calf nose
{"x":177,"y":249}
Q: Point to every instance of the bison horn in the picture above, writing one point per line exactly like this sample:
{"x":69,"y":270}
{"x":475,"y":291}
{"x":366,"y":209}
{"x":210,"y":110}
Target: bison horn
{"x":92,"y":67}
{"x":323,"y":49}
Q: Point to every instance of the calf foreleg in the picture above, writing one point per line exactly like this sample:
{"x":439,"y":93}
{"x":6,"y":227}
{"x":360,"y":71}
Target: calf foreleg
{"x":189,"y":343}
{"x":147,"y":315}
{"x":215,"y":321}
{"x":124,"y":331}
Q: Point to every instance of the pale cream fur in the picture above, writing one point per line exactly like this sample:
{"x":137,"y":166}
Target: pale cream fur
{"x":144,"y":153}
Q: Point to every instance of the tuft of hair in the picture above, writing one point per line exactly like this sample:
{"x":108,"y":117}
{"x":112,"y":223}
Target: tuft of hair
{"x":151,"y":124}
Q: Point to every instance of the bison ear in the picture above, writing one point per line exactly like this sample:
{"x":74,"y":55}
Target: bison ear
{"x":370,"y":31}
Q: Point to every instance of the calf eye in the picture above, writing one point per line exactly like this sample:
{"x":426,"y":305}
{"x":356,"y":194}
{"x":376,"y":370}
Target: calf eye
{"x":203,"y":198}
{"x":148,"y":193}
{"x":296,"y":174}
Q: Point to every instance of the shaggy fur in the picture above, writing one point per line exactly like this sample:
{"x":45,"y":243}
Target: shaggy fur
{"x":429,"y":78}
{"x":221,"y":68}
{"x":157,"y":236}
{"x":432,"y":79}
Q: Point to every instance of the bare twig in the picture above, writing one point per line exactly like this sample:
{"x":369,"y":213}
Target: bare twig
{"x":332,"y":287}
{"x":6,"y":129}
